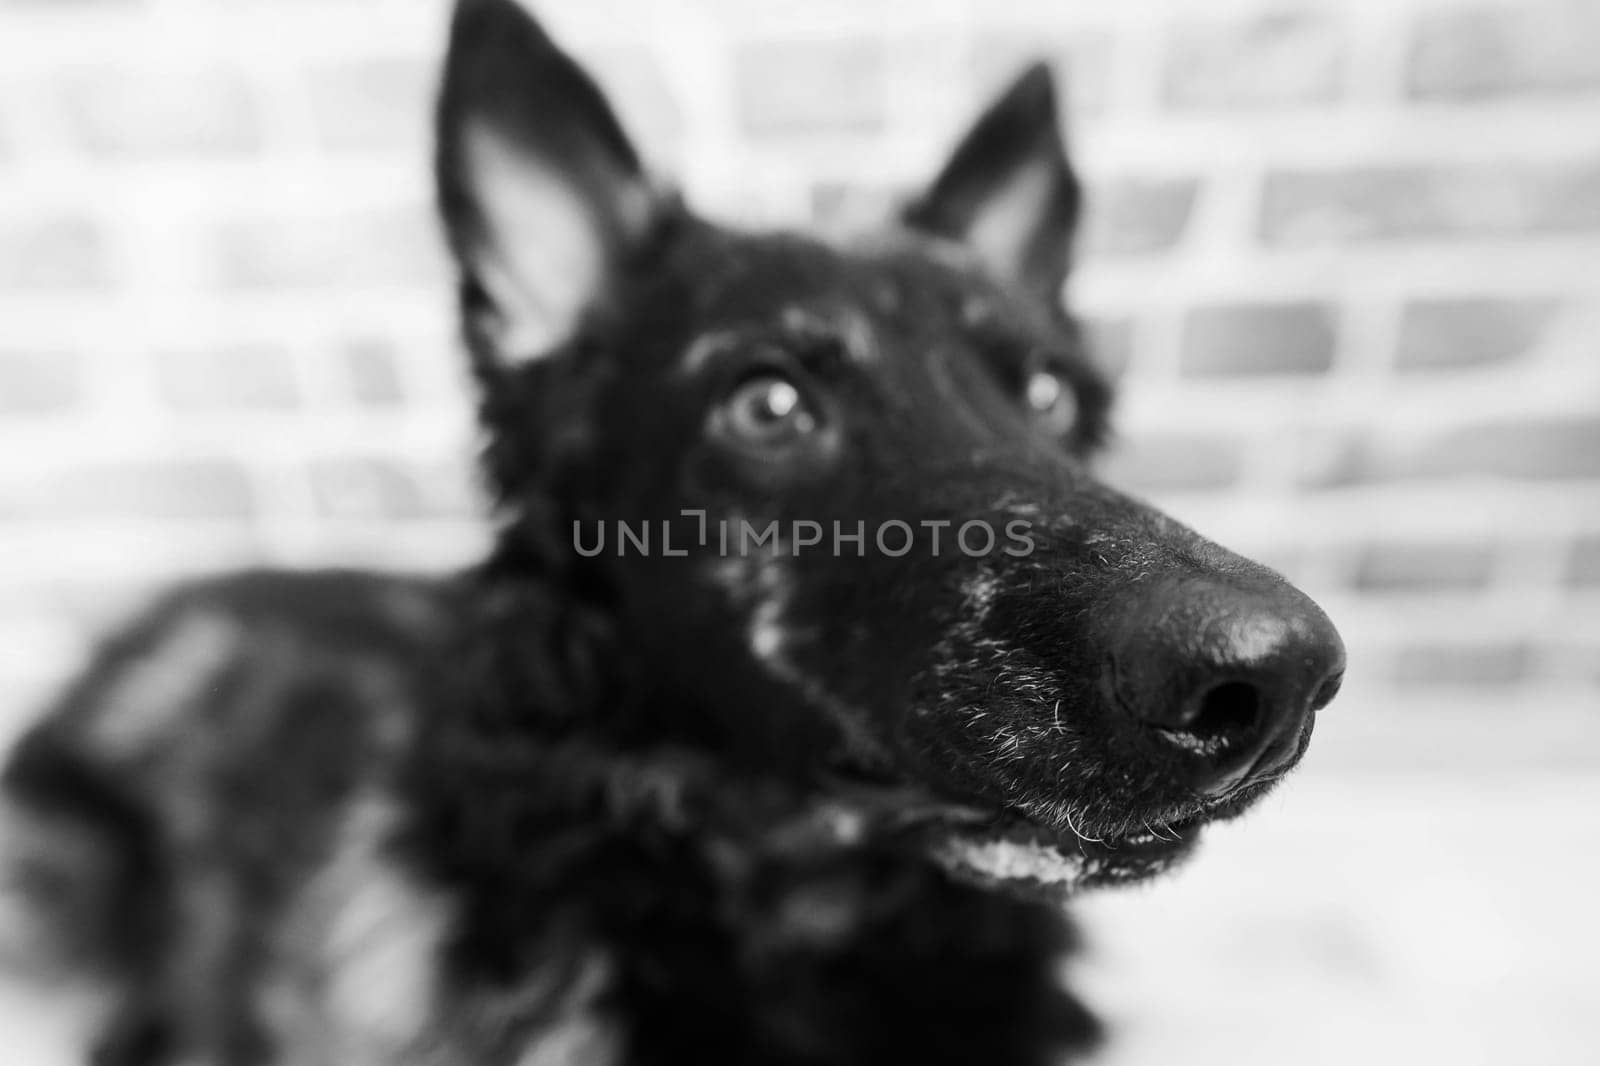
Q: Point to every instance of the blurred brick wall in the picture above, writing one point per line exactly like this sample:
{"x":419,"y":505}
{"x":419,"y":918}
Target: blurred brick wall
{"x":1344,"y":256}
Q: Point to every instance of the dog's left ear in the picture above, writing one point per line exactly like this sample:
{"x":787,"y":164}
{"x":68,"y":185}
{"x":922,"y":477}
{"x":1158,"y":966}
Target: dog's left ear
{"x":1008,"y":191}
{"x":544,"y":199}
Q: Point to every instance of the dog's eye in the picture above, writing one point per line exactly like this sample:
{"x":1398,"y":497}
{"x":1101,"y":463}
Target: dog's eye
{"x":1052,"y":401}
{"x":767,"y":410}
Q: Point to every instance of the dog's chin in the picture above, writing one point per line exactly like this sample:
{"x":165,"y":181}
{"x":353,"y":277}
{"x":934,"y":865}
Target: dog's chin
{"x":1007,"y":850}
{"x":1042,"y":858}
{"x":1016,"y":855}
{"x":1032,"y":851}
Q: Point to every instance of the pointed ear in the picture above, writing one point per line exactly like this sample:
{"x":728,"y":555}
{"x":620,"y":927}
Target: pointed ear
{"x":1008,"y":191}
{"x":542,"y":194}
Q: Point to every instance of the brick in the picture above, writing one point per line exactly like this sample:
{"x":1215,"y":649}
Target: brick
{"x":635,"y":83}
{"x":853,"y":207}
{"x":54,"y":253}
{"x":1397,"y":203}
{"x":1175,"y":462}
{"x":375,"y":487}
{"x":1503,"y":51}
{"x":1258,"y":340}
{"x":1128,"y":216}
{"x":373,"y":104}
{"x":1283,"y":58}
{"x":371,"y":372}
{"x":95,"y":604}
{"x":382,"y":248}
{"x":366,"y":488}
{"x":1489,"y":664}
{"x":1420,"y":567}
{"x":1138,"y":216}
{"x":1572,"y":660}
{"x":189,"y":489}
{"x":1450,"y":334}
{"x":259,"y":377}
{"x":806,"y":86}
{"x":1110,"y":342}
{"x":1557,"y":448}
{"x":1080,"y":61}
{"x":139,"y":113}
{"x":35,"y":382}
{"x":1583,"y":563}
{"x":1336,"y":461}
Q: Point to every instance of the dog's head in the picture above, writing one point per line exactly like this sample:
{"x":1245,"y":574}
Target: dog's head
{"x":840,"y":498}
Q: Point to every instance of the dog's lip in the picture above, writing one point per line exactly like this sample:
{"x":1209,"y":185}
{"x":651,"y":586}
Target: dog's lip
{"x":908,"y":806}
{"x":1033,"y":856}
{"x":1038,"y":861}
{"x":1153,"y":840}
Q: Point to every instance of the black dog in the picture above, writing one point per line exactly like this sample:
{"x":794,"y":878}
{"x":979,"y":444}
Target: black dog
{"x":811,"y":670}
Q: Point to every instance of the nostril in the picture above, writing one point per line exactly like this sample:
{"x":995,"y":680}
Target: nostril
{"x":1224,"y":715}
{"x":1327,"y":691}
{"x":1229,"y":710}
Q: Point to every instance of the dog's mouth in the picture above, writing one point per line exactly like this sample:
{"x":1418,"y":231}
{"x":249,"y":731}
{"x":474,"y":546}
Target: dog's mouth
{"x":1032,"y":854}
{"x":1027,"y":856}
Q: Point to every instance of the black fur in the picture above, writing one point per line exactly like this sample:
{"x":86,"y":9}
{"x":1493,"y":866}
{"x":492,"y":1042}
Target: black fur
{"x":686,"y":805}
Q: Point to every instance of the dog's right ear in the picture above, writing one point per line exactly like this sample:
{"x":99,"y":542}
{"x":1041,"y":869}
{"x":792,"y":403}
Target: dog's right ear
{"x":543,"y":197}
{"x":1008,"y":191}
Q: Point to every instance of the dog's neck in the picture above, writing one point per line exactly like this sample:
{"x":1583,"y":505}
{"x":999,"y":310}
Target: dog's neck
{"x":551,"y":709}
{"x":540,"y":761}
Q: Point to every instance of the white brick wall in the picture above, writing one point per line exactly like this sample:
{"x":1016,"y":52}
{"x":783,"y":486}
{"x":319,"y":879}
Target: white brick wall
{"x":1348,"y":251}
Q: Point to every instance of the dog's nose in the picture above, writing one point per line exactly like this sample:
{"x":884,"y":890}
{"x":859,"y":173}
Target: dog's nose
{"x":1224,"y":678}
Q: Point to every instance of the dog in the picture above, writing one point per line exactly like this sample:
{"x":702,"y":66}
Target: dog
{"x":811,"y":671}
